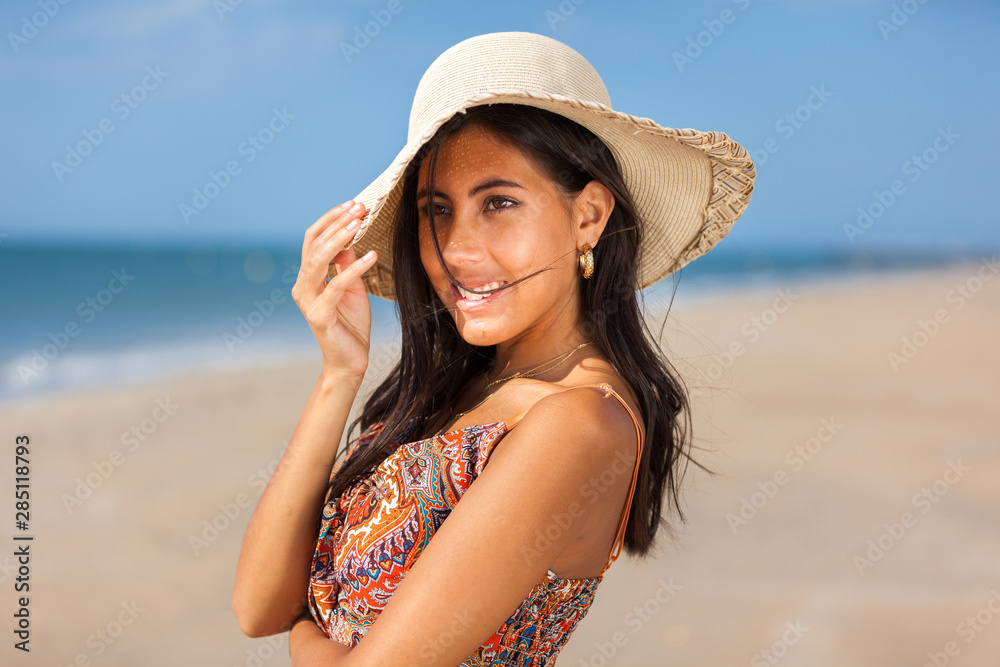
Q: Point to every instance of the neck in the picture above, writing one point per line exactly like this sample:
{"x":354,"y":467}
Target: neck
{"x":517,"y":356}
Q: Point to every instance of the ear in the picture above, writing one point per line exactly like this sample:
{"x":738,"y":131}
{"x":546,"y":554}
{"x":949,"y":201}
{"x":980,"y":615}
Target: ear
{"x":591,"y":210}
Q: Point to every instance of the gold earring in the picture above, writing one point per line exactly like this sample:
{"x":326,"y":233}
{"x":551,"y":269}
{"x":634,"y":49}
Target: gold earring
{"x":587,"y":261}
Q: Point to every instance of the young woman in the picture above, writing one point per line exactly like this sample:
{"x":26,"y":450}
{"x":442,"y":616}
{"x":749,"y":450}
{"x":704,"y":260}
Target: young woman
{"x":531,"y":427}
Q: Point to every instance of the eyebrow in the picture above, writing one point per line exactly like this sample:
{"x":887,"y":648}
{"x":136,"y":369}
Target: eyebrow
{"x":485,"y":185}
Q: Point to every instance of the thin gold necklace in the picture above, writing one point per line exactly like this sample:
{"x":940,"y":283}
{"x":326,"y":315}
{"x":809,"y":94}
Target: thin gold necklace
{"x":531,"y":372}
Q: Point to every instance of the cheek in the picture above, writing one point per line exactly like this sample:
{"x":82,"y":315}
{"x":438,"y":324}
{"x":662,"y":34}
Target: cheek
{"x":428,"y":256}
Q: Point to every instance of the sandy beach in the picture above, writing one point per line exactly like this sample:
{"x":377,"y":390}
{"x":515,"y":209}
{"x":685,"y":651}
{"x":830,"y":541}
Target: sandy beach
{"x":854,"y":519}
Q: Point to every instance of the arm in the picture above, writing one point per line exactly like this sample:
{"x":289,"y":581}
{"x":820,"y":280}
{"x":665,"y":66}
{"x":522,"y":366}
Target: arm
{"x":485,"y":557}
{"x":307,"y":645}
{"x":272,"y":575}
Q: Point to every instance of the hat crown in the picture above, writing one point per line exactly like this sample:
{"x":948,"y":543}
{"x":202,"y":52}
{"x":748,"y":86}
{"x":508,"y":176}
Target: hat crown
{"x":496,"y":63}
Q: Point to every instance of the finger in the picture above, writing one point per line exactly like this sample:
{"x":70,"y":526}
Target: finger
{"x":335,"y":289}
{"x":347,"y":219}
{"x":316,"y":265}
{"x":341,"y":261}
{"x":350,"y":219}
{"x":321,"y":224}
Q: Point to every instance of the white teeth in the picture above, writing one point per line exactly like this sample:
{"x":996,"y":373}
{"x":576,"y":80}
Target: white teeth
{"x":471,"y":296}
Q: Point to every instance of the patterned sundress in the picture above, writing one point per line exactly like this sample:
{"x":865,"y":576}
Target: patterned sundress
{"x":373,"y":533}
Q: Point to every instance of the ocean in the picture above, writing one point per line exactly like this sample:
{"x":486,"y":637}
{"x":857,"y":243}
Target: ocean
{"x":74,"y":317}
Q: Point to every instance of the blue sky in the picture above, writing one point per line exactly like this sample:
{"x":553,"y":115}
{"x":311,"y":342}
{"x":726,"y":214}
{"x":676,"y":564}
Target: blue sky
{"x":886,"y":80}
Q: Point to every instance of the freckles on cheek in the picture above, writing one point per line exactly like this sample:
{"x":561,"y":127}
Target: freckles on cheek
{"x":426,"y":250}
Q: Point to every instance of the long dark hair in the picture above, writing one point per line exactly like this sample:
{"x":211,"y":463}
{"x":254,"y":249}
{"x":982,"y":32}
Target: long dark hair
{"x":436,"y":363}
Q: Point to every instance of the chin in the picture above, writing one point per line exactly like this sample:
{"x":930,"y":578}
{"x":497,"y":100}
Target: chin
{"x":481,"y":333}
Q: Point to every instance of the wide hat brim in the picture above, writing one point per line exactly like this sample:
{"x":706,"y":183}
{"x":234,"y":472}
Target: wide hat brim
{"x":689,"y":187}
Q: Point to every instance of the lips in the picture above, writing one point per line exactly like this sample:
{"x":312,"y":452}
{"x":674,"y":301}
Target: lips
{"x":470,"y":301}
{"x":482,"y":291}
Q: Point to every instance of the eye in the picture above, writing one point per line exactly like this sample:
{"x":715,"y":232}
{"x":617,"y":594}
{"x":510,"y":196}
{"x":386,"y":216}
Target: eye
{"x":439,"y":210}
{"x":499,"y":203}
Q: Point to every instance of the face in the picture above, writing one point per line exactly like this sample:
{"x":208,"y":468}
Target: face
{"x":499,"y":218}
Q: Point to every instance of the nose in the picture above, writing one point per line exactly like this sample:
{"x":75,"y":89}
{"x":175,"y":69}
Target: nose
{"x":460,"y":238}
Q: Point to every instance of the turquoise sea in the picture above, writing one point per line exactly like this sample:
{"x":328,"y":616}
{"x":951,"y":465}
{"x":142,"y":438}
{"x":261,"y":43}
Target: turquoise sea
{"x":83,"y":316}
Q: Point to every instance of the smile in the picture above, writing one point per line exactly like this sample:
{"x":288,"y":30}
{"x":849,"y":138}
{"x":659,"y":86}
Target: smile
{"x":470,"y":301}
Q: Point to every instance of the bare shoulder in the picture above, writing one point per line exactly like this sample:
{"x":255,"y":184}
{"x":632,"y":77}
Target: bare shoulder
{"x":588,"y":415}
{"x":591,"y":406}
{"x":581,"y":391}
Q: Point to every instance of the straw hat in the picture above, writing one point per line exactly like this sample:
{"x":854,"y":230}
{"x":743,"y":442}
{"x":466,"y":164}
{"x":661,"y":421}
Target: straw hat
{"x":689,"y":187}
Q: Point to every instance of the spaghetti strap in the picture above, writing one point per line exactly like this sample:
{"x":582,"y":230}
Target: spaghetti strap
{"x":623,"y":522}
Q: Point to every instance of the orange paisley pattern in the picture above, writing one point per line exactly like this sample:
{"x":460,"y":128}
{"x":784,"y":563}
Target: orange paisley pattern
{"x":372,"y":534}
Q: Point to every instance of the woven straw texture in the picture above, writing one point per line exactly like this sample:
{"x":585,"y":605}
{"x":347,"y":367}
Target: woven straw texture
{"x":689,"y":186}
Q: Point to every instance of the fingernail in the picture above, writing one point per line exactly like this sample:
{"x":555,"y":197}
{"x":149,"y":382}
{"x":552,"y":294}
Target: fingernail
{"x":352,"y":225}
{"x":355,"y":209}
{"x":346,"y":204}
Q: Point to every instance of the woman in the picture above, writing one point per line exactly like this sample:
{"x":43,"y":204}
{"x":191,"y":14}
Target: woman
{"x":513,"y":231}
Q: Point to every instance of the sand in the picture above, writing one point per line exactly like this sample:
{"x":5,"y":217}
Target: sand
{"x":855,"y":519}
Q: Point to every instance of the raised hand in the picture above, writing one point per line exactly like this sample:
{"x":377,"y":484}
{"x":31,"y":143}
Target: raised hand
{"x":337,"y":309}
